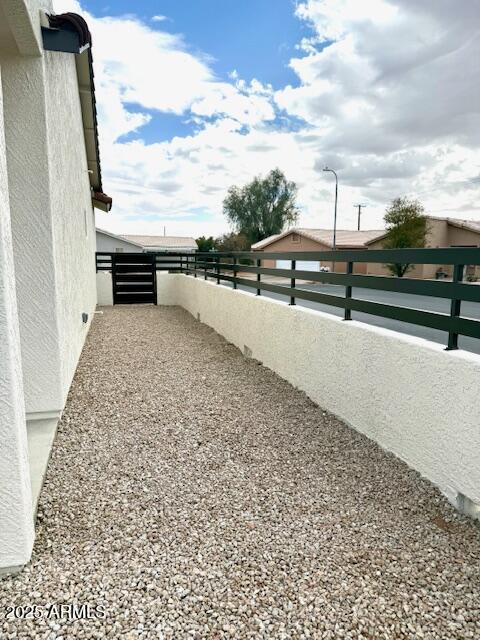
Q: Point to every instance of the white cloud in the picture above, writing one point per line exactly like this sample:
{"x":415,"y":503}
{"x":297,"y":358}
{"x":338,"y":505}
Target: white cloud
{"x":388,"y":93}
{"x":159,"y":18}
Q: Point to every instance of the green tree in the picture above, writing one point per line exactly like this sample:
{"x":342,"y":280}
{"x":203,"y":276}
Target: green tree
{"x":406,"y":229}
{"x":205,"y":244}
{"x":232,"y":242}
{"x":262,"y":207}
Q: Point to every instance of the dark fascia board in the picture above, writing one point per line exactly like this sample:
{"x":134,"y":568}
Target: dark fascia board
{"x":65,"y":40}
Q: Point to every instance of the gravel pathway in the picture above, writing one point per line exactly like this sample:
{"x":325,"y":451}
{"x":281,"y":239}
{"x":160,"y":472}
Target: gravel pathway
{"x":195,"y":494}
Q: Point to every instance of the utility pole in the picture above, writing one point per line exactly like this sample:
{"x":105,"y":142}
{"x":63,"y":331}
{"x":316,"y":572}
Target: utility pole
{"x":359,"y":206}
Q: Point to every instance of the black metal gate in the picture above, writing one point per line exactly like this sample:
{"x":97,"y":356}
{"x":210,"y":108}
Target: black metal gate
{"x":134,"y":278}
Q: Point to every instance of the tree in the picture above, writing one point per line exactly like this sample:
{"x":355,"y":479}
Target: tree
{"x":406,"y":229}
{"x":263,"y":207}
{"x":205,"y":244}
{"x":232,"y":242}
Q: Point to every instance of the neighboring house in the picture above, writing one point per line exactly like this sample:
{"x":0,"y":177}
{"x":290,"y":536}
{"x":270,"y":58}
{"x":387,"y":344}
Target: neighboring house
{"x":111,"y":243}
{"x":442,"y":232}
{"x":164,"y":243}
{"x":50,"y":182}
{"x":300,"y":239}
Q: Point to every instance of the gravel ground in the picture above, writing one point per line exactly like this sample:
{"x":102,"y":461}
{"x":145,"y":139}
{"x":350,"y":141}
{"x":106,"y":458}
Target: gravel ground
{"x":195,"y":494}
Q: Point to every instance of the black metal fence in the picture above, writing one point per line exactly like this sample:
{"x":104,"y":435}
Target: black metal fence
{"x":234,"y":266}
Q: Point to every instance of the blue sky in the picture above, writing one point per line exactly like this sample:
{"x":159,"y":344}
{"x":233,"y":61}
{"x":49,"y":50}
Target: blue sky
{"x":254,"y":38}
{"x":196,"y":96}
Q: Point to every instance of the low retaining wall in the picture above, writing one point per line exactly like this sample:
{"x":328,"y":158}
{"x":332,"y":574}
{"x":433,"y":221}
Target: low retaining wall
{"x":406,"y":393}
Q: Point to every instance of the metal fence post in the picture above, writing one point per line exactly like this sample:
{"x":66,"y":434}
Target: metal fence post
{"x":348,"y":293}
{"x":292,"y":282}
{"x":455,"y":308}
{"x":217,"y":259}
{"x":234,"y":272}
{"x":195,"y":266}
{"x":259,"y":264}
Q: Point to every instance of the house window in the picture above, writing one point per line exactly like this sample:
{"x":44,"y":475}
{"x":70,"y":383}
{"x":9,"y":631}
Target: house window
{"x":295,"y":237}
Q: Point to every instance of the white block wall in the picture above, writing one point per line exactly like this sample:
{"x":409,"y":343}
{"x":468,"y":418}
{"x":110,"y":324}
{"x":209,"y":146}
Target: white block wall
{"x":408,"y":394}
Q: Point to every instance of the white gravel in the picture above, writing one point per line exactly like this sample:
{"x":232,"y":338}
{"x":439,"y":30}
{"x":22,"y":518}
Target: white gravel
{"x":195,"y":494}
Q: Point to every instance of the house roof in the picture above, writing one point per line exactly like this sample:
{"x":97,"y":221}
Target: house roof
{"x":162,"y":241}
{"x":68,"y":32}
{"x":345,"y":239}
{"x":471,"y":225}
{"x":115,"y":237}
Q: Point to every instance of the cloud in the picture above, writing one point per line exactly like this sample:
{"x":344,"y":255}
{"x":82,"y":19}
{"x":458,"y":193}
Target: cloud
{"x":387,"y":94}
{"x":158,"y":18}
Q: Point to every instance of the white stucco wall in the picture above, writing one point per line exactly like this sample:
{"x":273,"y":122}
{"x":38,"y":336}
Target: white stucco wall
{"x":408,"y":394}
{"x":72,"y":215}
{"x":32,"y":228}
{"x":16,"y":517}
{"x":110,"y":245}
{"x":52,"y":221}
{"x":166,"y":291}
{"x":104,"y":289}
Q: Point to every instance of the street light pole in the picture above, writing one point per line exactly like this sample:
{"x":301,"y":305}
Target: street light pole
{"x":335,"y":214}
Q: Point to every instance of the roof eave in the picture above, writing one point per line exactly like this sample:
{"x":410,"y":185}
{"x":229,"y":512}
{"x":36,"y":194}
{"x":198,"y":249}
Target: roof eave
{"x":68,"y":32}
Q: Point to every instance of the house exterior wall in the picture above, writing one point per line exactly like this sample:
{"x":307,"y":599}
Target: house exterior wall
{"x":378,"y":269}
{"x":305,"y":244}
{"x":16,"y":516}
{"x":458,"y":237}
{"x":52,"y":222}
{"x":110,"y":245}
{"x":440,"y":234}
{"x":47,"y":246}
{"x":23,"y":81}
{"x":72,"y":214}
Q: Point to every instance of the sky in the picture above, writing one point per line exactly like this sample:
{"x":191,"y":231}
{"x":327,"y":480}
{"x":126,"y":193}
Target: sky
{"x":194,"y":96}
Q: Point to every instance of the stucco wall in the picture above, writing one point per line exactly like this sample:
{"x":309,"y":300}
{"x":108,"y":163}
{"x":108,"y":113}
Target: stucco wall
{"x":166,"y":292}
{"x":32,"y":228}
{"x":104,"y":288}
{"x":72,"y":215}
{"x":440,"y":234}
{"x":462,"y":237}
{"x":305,"y":244}
{"x":406,"y":393}
{"x":52,"y":221}
{"x":16,"y":517}
{"x":110,"y":245}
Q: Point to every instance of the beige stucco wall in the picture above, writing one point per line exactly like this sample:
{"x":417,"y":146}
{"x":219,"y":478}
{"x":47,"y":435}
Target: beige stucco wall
{"x":440,"y":234}
{"x":305,"y":244}
{"x":458,"y":237}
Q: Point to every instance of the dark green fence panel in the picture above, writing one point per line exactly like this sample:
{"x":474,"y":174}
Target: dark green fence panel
{"x":225,"y":266}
